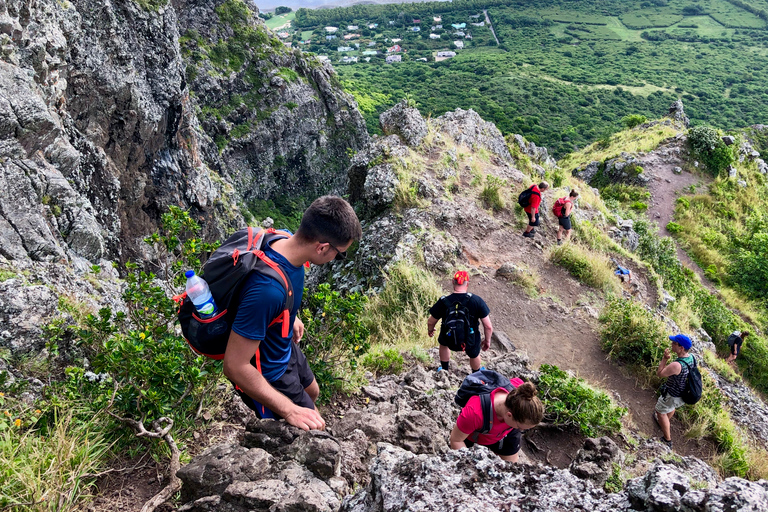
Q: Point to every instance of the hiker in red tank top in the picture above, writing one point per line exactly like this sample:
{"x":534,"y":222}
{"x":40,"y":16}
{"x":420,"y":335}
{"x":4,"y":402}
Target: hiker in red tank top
{"x":564,"y":219}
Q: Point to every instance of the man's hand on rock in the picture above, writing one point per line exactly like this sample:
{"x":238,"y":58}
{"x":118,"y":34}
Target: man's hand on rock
{"x":305,"y":419}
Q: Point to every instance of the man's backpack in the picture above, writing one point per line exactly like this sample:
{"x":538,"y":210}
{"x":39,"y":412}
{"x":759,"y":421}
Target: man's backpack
{"x":457,"y":328}
{"x":558,"y":209}
{"x":225,"y":271}
{"x":524,"y":199}
{"x":693,"y":387}
{"x":481,"y":383}
{"x":733,"y":339}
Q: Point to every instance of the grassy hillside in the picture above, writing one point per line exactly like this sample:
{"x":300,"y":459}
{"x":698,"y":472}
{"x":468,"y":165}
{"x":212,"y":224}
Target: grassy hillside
{"x":564,"y":73}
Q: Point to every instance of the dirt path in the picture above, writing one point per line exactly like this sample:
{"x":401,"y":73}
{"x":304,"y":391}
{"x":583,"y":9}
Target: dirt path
{"x":665,"y":187}
{"x":556,"y":328}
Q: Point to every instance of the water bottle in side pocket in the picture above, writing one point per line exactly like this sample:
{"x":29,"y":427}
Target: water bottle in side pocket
{"x":200,"y":295}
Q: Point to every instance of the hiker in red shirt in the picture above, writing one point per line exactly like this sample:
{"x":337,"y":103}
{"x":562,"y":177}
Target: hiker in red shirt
{"x":562,"y":210}
{"x":513,"y":412}
{"x":533,"y":208}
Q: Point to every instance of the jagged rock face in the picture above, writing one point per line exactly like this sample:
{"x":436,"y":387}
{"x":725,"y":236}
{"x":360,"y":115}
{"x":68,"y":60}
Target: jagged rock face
{"x":282,"y":123}
{"x":677,"y":113}
{"x":467,"y":128}
{"x":595,"y":461}
{"x":97,"y":135}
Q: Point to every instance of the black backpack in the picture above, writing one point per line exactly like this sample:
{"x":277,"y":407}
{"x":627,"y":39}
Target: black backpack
{"x":693,"y":387}
{"x":733,"y":339}
{"x":481,"y":383}
{"x":225,"y":271}
{"x":457,"y":324}
{"x":524,"y":199}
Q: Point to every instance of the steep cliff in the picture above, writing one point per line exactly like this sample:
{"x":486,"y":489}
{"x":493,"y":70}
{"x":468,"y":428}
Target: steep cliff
{"x":99,"y":131}
{"x":282,"y":125}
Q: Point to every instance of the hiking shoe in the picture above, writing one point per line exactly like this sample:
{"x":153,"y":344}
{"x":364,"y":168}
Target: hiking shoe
{"x":529,"y":234}
{"x":439,"y":369}
{"x":667,"y":442}
{"x":559,"y":242}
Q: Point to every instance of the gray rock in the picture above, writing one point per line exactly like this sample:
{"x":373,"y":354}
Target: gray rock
{"x":501,"y":342}
{"x":661,"y":488}
{"x":742,"y":183}
{"x":596,"y":459}
{"x":677,"y":170}
{"x":729,"y":140}
{"x":588,"y":173}
{"x":404,"y":121}
{"x":467,"y":128}
{"x":677,"y":113}
{"x":762,"y":167}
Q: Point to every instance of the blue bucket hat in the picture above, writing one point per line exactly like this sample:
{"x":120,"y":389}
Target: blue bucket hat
{"x":682,"y":340}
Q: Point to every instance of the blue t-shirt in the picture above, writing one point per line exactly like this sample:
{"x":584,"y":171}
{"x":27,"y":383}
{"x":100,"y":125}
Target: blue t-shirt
{"x":261,"y":300}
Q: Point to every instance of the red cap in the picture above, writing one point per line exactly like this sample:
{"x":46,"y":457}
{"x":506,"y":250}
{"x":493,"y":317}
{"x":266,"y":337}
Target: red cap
{"x":461,"y":277}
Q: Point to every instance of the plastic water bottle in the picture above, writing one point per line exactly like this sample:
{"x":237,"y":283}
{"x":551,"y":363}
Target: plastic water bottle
{"x":200,"y":295}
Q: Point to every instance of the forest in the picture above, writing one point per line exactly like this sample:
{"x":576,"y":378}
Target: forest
{"x":564,"y":73}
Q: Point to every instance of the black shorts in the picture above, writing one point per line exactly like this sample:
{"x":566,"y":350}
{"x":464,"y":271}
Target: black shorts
{"x":532,"y":222}
{"x":297,"y":377}
{"x":736,"y":348}
{"x":471,"y":349}
{"x":510,"y":445}
{"x":565,"y":222}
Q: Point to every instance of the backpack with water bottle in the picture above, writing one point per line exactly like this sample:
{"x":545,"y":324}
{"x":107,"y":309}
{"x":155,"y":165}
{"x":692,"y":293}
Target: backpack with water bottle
{"x":207,"y":328}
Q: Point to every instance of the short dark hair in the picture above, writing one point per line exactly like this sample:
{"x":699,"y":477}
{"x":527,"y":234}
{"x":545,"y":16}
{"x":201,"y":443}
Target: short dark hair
{"x":329,"y":219}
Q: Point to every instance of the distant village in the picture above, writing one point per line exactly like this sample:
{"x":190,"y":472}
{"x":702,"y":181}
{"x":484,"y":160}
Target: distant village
{"x":391,"y":41}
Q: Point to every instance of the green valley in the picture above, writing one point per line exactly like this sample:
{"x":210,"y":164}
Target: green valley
{"x":563,"y":73}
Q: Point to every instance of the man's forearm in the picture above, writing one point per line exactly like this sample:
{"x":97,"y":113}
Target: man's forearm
{"x":662,"y":365}
{"x":488,"y":333}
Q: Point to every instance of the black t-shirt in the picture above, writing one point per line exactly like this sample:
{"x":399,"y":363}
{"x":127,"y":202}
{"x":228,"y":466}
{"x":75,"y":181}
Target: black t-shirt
{"x":477,"y":309}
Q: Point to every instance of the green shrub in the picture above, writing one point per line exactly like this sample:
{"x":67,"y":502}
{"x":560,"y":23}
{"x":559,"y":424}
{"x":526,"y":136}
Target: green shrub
{"x":633,"y":120}
{"x":674,"y":227}
{"x":749,"y":268}
{"x":632,"y":335}
{"x":639,"y":206}
{"x":570,"y":401}
{"x":386,"y":361}
{"x":491,"y":194}
{"x":624,"y":193}
{"x":710,"y":149}
{"x":335,"y":336}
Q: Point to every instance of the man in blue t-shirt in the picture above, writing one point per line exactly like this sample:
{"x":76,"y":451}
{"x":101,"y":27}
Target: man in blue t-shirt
{"x":286,"y":387}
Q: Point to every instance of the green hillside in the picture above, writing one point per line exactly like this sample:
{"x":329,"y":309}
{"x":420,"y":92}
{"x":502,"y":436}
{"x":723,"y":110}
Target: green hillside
{"x":563,"y":73}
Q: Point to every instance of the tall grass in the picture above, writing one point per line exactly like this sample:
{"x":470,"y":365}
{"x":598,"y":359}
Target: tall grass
{"x":397,"y":317}
{"x":589,"y":267}
{"x":44,"y":470}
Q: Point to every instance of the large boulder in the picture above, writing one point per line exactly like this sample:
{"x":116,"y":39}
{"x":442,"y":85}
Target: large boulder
{"x":406,"y":122}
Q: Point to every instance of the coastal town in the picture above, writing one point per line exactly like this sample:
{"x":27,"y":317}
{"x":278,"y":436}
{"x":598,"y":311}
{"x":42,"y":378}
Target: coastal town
{"x":387,"y":41}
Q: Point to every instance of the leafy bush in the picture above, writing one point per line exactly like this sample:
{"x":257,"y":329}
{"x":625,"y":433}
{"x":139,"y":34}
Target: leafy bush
{"x":335,"y":336}
{"x":633,"y":120}
{"x":570,"y":401}
{"x":385,"y":361}
{"x":639,"y":206}
{"x":674,"y":227}
{"x":588,"y":267}
{"x":631,"y":334}
{"x":710,"y":149}
{"x":749,"y":269}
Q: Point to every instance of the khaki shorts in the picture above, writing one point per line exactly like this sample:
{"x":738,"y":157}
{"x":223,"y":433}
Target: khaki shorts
{"x":666,"y":405}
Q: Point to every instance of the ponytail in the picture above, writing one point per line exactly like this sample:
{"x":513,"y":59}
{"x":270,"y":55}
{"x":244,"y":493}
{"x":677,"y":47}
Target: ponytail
{"x":524,"y":405}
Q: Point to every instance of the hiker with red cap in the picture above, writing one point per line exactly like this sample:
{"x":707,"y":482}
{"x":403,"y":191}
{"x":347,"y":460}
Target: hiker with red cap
{"x":676,"y":373}
{"x":461,"y":313}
